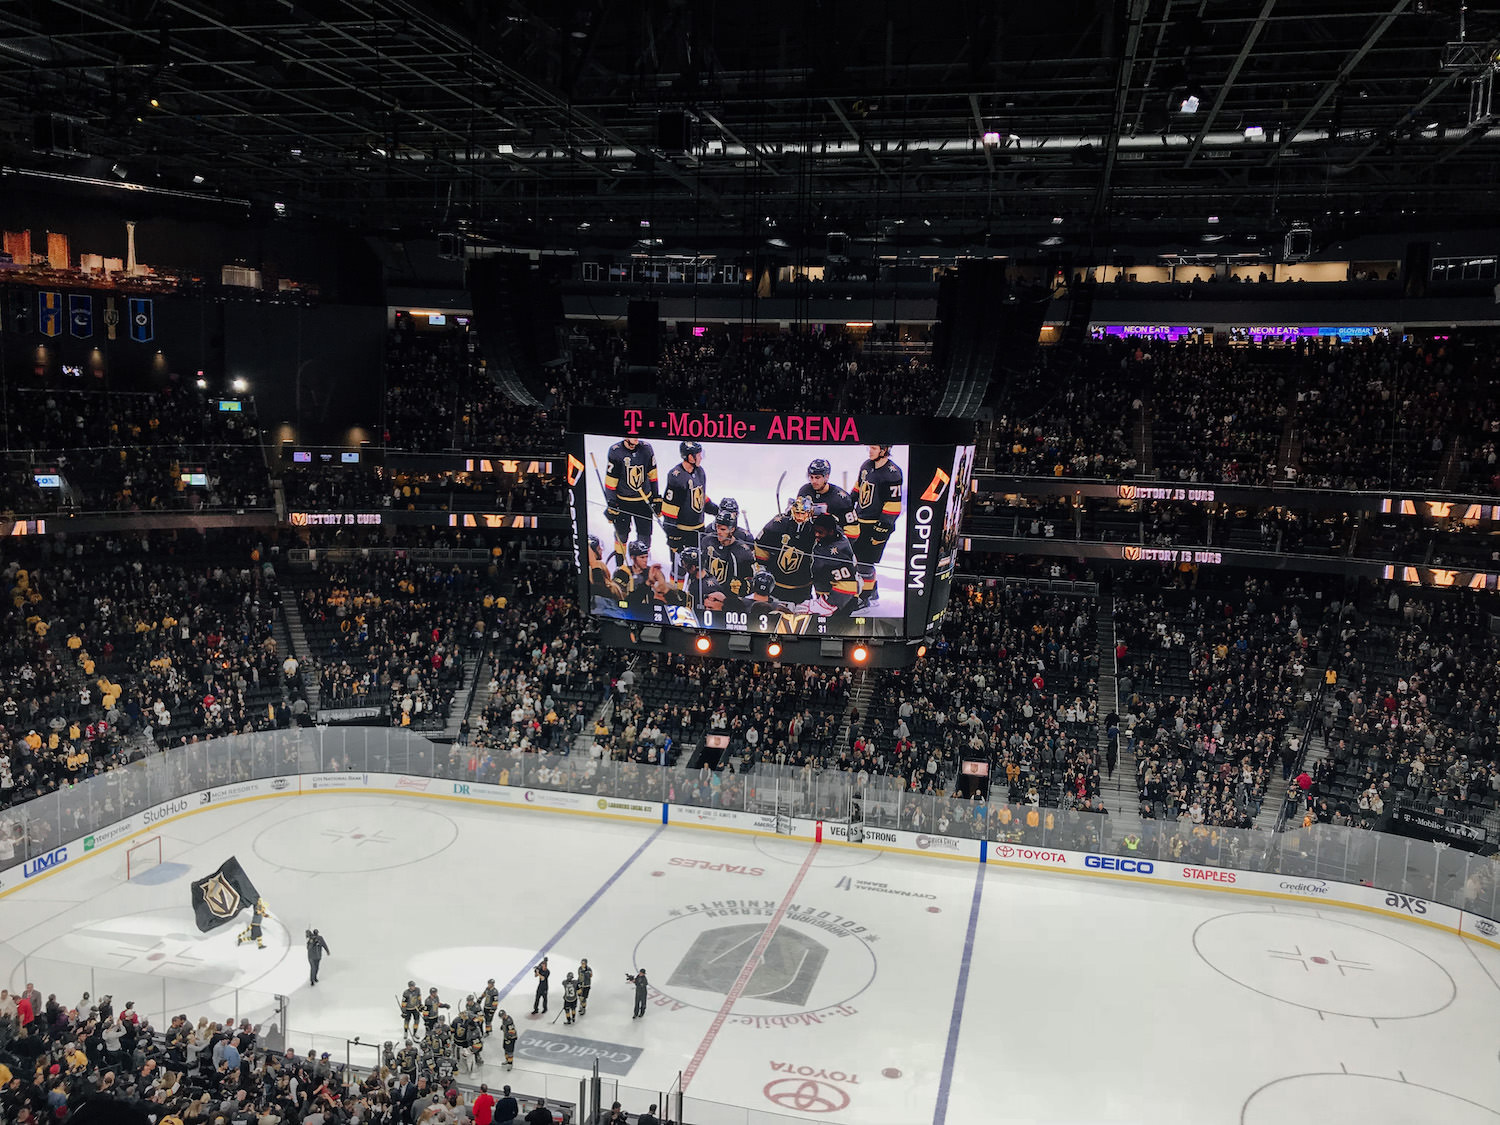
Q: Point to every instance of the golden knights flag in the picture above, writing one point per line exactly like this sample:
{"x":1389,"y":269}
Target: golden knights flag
{"x":218,"y":898}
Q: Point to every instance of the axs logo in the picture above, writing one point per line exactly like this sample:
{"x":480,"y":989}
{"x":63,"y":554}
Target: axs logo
{"x":1407,"y":903}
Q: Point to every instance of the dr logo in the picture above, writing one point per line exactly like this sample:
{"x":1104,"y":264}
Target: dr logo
{"x":806,"y":1095}
{"x":786,"y":973}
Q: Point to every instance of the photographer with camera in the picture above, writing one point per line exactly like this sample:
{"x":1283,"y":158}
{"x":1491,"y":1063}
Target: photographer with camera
{"x":638,"y":978}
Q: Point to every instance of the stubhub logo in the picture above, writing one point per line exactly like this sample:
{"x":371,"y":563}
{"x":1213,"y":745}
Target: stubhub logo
{"x":1114,"y":863}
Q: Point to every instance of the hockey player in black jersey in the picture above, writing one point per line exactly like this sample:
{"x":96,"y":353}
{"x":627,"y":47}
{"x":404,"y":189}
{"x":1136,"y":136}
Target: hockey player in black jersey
{"x":785,"y":547}
{"x":877,"y":507}
{"x":630,"y":491}
{"x":703,"y":590}
{"x":685,"y":500}
{"x":729,"y":512}
{"x":729,"y":557}
{"x":835,"y":582}
{"x":827,"y":496}
{"x":638,"y":582}
{"x":608,"y":594}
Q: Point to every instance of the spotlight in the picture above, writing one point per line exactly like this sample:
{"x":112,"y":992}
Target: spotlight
{"x":860,"y":654}
{"x":991,"y":139}
{"x":240,"y":384}
{"x":703,"y":644}
{"x":197,"y":179}
{"x":155,"y":104}
{"x":1189,"y":104}
{"x":203,"y":384}
{"x":921,"y":651}
{"x":119,"y":170}
{"x":773,"y":650}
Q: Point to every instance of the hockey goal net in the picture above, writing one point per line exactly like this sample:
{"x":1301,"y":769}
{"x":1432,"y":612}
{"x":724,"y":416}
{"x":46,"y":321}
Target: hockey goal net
{"x":141,"y":856}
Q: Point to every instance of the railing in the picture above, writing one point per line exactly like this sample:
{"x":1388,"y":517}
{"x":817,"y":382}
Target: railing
{"x":105,"y":809}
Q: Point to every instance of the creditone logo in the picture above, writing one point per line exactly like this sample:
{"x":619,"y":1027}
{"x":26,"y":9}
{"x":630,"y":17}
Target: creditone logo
{"x":45,"y":862}
{"x":1304,"y":886}
{"x":1115,"y":863}
{"x":937,"y":843}
{"x":1034,"y":855}
{"x":1409,"y":903}
{"x":1207,"y":875}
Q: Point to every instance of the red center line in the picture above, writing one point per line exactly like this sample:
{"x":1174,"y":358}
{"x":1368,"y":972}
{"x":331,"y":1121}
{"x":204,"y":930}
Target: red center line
{"x":740,"y":983}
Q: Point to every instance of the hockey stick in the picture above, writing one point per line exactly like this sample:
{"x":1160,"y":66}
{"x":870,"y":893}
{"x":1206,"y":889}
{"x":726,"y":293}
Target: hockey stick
{"x":779,"y":482}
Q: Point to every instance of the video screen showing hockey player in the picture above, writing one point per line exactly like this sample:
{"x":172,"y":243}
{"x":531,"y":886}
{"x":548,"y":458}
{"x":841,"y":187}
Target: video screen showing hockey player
{"x":735,"y":504}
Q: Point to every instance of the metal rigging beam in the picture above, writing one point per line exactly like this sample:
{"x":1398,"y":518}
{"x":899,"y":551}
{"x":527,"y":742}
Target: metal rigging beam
{"x":1229,"y":79}
{"x":1332,"y":85}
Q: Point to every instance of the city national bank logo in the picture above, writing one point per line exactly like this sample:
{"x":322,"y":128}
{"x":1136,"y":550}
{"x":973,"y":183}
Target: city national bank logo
{"x":45,"y":862}
{"x":848,"y":884}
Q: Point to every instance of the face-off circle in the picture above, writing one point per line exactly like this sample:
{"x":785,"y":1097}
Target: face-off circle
{"x":343,"y":838}
{"x":1367,"y":1098}
{"x":1324,"y":965}
{"x":806,"y":1095}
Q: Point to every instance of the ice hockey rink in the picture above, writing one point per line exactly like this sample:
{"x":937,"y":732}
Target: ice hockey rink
{"x":790,"y":979}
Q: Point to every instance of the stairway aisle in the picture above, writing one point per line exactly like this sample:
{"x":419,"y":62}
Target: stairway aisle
{"x":1121,"y":792}
{"x":297,"y":635}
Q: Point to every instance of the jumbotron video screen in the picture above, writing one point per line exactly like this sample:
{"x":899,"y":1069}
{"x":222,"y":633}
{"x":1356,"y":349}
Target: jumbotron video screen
{"x":804,"y":525}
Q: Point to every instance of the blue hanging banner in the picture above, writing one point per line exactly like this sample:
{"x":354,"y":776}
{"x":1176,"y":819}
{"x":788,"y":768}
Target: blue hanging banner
{"x":142,"y":320}
{"x":81,"y":315}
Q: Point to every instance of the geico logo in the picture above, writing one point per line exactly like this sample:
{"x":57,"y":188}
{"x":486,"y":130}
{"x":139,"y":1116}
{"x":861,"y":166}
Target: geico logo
{"x":1113,"y":863}
{"x":171,"y":808}
{"x":1207,"y":875}
{"x":1008,"y":851}
{"x":1408,"y":903}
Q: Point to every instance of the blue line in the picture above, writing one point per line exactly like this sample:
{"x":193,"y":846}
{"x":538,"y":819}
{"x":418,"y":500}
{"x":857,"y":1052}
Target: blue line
{"x":579,"y":913}
{"x":945,"y":1084}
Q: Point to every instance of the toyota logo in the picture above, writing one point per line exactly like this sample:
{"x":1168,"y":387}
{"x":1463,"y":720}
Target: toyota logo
{"x":1004,"y":850}
{"x":806,"y":1095}
{"x":1132,"y":554}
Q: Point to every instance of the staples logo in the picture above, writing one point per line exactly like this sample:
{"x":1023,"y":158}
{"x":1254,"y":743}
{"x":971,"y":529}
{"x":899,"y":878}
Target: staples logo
{"x":1207,"y":875}
{"x":633,"y":419}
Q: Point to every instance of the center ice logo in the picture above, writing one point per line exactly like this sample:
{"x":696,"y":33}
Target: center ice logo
{"x":814,"y":966}
{"x":786,"y":974}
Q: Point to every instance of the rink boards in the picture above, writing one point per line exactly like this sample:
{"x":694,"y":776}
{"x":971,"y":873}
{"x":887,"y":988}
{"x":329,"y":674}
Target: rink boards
{"x":1407,"y":908}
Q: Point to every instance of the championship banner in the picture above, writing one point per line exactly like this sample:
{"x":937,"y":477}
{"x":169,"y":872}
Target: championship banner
{"x":142,"y":320}
{"x":49,"y":313}
{"x":218,"y":898}
{"x":80,"y":315}
{"x":111,"y":317}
